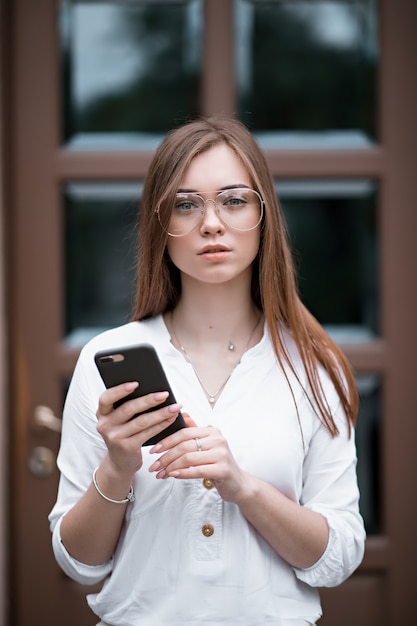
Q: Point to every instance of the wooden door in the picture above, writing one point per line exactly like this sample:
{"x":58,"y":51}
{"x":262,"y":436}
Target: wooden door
{"x":67,"y":172}
{"x":40,"y":592}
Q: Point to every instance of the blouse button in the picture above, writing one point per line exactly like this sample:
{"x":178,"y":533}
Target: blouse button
{"x":207,"y":530}
{"x":208,"y":483}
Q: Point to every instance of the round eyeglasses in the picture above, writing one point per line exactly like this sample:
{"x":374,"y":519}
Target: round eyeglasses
{"x":240,"y":208}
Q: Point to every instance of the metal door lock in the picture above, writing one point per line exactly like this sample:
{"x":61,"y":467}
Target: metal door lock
{"x":42,"y":462}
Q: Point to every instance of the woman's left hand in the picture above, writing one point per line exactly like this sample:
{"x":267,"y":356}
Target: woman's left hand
{"x":296,"y":533}
{"x":199,"y":452}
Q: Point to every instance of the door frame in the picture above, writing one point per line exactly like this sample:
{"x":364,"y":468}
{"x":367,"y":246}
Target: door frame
{"x":4,"y":313}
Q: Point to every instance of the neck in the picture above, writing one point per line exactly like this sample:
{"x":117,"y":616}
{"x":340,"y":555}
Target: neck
{"x":214,"y":315}
{"x":213,"y":327}
{"x":211,"y":357}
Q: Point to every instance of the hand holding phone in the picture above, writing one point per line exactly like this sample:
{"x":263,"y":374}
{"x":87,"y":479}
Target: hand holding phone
{"x":138,"y":363}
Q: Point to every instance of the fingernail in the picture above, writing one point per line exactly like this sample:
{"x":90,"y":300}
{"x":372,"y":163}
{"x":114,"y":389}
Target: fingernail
{"x":155,"y":466}
{"x":131,"y":386}
{"x":156,"y":448}
{"x":160,"y":396}
{"x":174,"y":408}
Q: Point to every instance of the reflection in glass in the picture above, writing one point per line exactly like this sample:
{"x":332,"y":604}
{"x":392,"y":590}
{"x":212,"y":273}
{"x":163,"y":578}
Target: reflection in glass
{"x":333,"y":232}
{"x":100,"y":255}
{"x":131,"y":70}
{"x":306,"y":68}
{"x":368,"y":431}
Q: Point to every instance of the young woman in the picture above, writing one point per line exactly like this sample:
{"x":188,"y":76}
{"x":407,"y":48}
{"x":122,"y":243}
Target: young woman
{"x":238,"y":518}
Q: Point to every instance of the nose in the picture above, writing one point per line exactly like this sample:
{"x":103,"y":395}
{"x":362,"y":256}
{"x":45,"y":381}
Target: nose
{"x":211,"y":221}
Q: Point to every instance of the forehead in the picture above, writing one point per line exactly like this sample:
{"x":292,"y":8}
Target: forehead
{"x":217,"y":168}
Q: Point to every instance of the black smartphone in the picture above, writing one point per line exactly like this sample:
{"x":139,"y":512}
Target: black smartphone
{"x":138,"y":363}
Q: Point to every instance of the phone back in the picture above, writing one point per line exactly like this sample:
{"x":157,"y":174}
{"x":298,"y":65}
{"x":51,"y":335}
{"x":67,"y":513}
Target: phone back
{"x":138,"y":363}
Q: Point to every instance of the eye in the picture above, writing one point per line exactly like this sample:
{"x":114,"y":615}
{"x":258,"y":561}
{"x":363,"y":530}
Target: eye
{"x":234,"y":198}
{"x":185,"y":204}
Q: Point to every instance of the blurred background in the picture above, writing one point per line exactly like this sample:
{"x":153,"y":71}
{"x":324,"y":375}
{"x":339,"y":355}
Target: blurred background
{"x":88,"y":91}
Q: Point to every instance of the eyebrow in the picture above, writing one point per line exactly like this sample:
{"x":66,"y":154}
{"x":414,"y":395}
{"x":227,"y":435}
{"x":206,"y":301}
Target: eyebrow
{"x":225,"y":188}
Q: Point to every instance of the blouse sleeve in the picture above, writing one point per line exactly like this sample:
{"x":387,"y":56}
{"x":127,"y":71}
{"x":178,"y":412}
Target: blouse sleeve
{"x":80,"y":572}
{"x":80,"y":452}
{"x":330,"y":488}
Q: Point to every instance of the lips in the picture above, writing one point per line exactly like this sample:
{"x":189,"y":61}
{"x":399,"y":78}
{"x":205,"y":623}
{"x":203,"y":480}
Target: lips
{"x":213,"y":249}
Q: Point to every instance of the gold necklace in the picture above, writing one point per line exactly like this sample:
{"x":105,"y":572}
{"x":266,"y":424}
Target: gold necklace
{"x":213,"y":396}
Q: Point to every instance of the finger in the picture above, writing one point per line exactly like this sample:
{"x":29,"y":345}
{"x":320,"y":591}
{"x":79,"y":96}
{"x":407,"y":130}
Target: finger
{"x":155,"y":419}
{"x":186,"y":434}
{"x":187,"y":473}
{"x":133,"y":433}
{"x":146,"y":433}
{"x":178,"y":438}
{"x":112,"y":395}
{"x":194,"y":464}
{"x":127,"y":408}
{"x":189,"y":420}
{"x":186,"y":454}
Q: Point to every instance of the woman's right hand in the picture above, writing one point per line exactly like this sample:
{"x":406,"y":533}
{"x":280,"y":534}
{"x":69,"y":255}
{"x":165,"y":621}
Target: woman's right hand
{"x":124,"y":436}
{"x":91,"y":529}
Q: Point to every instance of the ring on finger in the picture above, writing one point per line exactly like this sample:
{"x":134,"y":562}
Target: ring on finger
{"x":198,"y":444}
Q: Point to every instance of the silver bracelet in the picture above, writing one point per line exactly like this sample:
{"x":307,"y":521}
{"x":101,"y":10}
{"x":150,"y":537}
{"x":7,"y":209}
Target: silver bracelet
{"x":129,"y":498}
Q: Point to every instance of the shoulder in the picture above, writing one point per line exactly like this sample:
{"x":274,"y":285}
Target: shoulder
{"x":293,"y":353}
{"x":152,"y":331}
{"x":300,"y":378}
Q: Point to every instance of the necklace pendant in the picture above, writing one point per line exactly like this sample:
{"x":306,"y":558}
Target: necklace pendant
{"x":212,"y":396}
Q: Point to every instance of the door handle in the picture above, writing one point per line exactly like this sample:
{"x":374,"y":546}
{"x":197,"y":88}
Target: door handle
{"x":45,"y":419}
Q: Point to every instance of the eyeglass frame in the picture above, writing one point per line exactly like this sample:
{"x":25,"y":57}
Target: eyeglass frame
{"x":214,"y":201}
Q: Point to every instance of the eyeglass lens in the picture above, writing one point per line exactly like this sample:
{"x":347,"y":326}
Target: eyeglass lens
{"x":239,"y":208}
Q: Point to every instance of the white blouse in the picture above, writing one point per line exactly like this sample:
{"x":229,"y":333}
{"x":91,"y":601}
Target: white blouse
{"x":167,"y":569}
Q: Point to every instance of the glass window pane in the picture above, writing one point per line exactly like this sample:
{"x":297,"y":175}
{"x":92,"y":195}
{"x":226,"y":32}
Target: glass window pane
{"x":100,"y":256}
{"x":333,"y":231}
{"x":368,"y":432}
{"x":131,"y":70}
{"x":307,"y":71}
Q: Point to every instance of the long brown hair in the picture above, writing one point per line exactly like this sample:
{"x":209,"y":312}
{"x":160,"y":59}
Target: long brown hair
{"x":274,"y":285}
